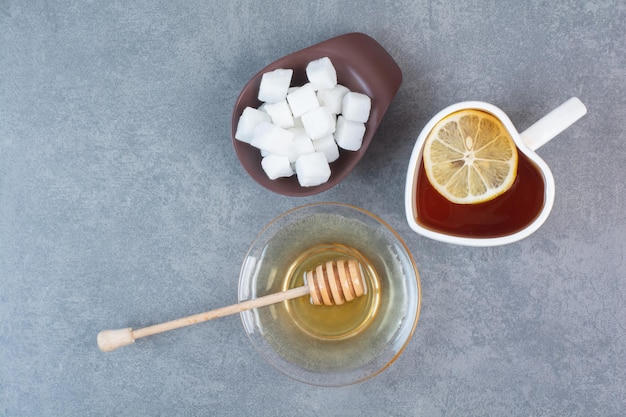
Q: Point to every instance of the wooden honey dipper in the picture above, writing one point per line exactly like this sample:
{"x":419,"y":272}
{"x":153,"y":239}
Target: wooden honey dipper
{"x":331,"y":283}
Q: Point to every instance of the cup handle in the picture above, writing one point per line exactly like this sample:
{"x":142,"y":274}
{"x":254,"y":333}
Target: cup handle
{"x":553,"y":123}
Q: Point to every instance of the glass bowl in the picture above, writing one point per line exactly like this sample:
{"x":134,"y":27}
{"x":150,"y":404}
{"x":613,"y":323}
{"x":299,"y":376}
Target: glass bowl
{"x":336,"y":345}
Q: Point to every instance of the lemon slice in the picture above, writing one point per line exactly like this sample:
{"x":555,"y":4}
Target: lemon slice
{"x":470,"y":157}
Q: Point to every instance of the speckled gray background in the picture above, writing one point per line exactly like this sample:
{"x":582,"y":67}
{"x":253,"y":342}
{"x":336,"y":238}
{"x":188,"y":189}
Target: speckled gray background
{"x":122,"y":203}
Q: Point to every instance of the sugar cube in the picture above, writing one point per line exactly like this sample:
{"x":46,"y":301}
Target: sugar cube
{"x":328,"y":147}
{"x":319,"y":122}
{"x":312,"y":169}
{"x":302,"y":100}
{"x":280,"y":113}
{"x":250,"y":117}
{"x":276,"y":166}
{"x":321,"y":73}
{"x":298,"y":133}
{"x":356,"y":107}
{"x":297,"y":122}
{"x":300,"y":145}
{"x":332,"y":98}
{"x":301,"y":129}
{"x":272,"y":138}
{"x":274,"y":85}
{"x":349,"y":134}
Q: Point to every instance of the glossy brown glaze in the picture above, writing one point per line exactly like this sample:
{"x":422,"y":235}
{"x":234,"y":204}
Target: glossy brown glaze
{"x":362,"y":65}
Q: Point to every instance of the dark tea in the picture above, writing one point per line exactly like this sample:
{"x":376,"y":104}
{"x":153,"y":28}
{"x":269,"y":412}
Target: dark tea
{"x":506,"y":214}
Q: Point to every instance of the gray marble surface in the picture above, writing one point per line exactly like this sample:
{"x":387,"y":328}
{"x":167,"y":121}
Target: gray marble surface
{"x":122,"y":203}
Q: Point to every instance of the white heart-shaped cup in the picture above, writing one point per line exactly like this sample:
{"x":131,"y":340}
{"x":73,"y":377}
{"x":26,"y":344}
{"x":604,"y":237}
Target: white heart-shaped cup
{"x":508,"y":218}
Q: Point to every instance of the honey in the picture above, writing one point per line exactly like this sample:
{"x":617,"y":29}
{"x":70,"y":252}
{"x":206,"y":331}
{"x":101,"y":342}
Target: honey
{"x":337,"y":321}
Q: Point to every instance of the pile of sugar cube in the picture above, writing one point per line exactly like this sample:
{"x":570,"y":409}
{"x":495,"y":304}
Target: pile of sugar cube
{"x":300,"y":130}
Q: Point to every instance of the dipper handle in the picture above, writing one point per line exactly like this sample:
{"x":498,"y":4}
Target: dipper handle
{"x":331,"y":283}
{"x":109,"y":340}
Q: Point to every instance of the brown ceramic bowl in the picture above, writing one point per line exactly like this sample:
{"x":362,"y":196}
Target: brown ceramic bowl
{"x":362,"y":65}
